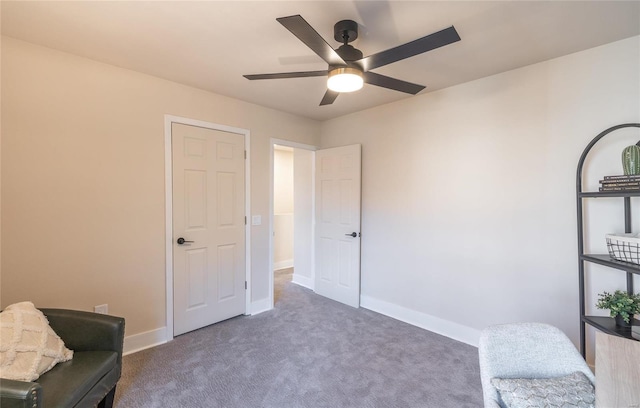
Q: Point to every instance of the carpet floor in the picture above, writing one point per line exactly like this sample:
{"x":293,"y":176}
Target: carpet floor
{"x":308,"y":352}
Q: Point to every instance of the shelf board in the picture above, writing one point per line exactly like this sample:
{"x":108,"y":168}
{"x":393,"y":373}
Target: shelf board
{"x":609,"y":194}
{"x":607,"y":261}
{"x":608,"y":325}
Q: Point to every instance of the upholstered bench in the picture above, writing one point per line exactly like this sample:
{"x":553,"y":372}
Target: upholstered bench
{"x":88,"y":379}
{"x":525,"y":362}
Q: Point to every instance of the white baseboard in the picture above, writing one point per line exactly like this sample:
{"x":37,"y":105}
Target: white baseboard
{"x":152,"y":338}
{"x":435,"y":324}
{"x":145,"y":340}
{"x":260,"y":306}
{"x":287,"y":263}
{"x":302,"y":281}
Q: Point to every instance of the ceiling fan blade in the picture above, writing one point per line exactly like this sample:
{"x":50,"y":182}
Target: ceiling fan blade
{"x":329,"y":97}
{"x":392,"y":83}
{"x":305,"y":33}
{"x":283,"y":75}
{"x":424,"y":44}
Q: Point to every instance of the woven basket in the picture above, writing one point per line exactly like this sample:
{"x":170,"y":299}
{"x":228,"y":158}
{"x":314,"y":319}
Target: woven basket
{"x":624,"y":247}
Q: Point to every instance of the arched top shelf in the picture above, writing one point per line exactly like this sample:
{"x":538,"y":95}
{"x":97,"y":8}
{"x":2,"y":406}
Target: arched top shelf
{"x":604,"y":324}
{"x":588,"y":149}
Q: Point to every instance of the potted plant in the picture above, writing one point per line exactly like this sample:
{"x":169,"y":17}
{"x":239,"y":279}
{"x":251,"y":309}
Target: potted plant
{"x":621,"y":305}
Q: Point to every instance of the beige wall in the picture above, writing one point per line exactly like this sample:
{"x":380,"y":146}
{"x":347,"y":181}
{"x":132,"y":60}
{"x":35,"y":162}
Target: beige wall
{"x":468,"y":207}
{"x":282,"y":181}
{"x":83,"y":180}
{"x":303,"y":219}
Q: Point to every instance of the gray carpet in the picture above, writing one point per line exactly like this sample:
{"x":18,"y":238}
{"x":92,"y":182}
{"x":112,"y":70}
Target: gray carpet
{"x":309,"y":352}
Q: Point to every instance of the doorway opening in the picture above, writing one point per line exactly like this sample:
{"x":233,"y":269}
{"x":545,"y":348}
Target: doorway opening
{"x":283,"y":214}
{"x":292,"y":215}
{"x":326,"y":221}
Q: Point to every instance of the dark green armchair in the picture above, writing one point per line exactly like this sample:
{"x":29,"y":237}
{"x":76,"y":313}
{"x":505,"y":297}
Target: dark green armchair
{"x":87,"y":380}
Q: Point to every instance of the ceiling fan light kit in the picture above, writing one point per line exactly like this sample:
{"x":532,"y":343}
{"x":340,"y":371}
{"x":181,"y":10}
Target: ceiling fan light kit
{"x":345,"y":79}
{"x":348,"y":70}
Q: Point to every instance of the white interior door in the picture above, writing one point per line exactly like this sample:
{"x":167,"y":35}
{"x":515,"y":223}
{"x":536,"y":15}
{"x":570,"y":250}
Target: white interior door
{"x":208,"y":214}
{"x":338,"y":172}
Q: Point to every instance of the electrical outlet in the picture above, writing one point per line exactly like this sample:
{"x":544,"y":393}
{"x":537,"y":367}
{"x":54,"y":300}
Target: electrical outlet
{"x":102,"y":309}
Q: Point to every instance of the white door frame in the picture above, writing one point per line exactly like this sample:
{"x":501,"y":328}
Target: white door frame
{"x":295,"y":145}
{"x":168,"y":205}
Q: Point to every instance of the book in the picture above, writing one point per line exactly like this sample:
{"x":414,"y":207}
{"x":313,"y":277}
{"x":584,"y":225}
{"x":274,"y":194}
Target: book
{"x":615,"y":183}
{"x":629,"y":188}
{"x":623,"y":177}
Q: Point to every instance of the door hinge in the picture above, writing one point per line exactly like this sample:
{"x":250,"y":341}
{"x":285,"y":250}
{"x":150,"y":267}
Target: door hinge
{"x":245,"y":155}
{"x":245,"y":220}
{"x":245,"y":285}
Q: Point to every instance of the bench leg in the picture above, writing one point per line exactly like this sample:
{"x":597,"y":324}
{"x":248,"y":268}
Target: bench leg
{"x":107,"y":401}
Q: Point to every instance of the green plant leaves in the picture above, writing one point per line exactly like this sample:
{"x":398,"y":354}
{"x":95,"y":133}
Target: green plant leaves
{"x":619,"y":303}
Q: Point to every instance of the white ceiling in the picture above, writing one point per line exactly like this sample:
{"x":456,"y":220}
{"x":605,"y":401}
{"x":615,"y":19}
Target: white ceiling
{"x":210,"y":44}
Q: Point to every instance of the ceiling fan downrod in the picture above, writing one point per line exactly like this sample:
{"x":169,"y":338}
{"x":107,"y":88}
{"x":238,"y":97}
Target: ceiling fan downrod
{"x":345,"y":38}
{"x":346,"y":31}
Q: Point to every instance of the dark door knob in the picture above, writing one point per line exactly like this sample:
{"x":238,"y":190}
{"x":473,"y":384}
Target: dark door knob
{"x":353,"y":234}
{"x":181,"y":241}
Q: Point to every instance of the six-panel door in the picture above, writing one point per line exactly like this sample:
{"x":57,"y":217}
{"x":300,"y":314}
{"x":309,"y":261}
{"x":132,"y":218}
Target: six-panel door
{"x":338,"y":173}
{"x":208,"y":209}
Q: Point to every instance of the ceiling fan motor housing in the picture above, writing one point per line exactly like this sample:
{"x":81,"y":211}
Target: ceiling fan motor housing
{"x":349,"y":54}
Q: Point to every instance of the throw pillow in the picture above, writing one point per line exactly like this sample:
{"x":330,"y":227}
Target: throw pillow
{"x":28,"y":345}
{"x":573,"y":390}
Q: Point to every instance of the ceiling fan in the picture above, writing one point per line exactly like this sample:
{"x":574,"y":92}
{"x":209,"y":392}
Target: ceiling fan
{"x":348,"y":70}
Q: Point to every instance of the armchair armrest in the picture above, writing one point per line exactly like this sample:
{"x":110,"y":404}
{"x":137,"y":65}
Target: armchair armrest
{"x":86,"y":331}
{"x":20,"y":394}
